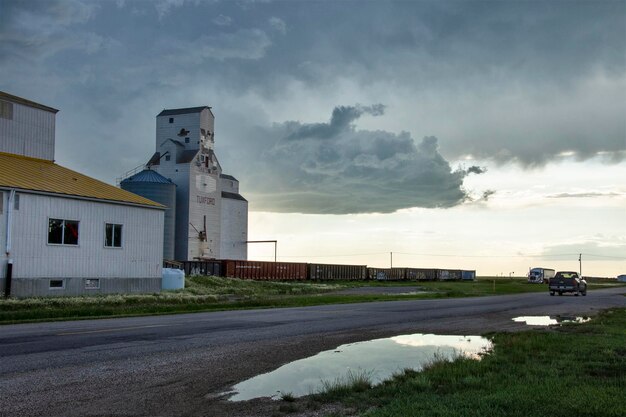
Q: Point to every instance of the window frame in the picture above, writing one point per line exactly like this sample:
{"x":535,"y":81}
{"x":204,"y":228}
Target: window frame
{"x":51,"y":288}
{"x":112,"y":246}
{"x":87,"y":281}
{"x":77,"y":244}
{"x":6,"y":110}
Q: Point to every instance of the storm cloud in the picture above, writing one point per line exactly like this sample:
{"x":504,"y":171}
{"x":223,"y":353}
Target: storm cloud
{"x":525,"y":83}
{"x":334,"y":168}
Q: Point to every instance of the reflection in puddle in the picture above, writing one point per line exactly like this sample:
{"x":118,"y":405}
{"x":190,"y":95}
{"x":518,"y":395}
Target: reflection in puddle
{"x":407,"y":293}
{"x":549,"y":321}
{"x":377,"y":359}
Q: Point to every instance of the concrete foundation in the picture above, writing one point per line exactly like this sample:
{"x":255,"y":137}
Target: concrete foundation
{"x":41,"y":287}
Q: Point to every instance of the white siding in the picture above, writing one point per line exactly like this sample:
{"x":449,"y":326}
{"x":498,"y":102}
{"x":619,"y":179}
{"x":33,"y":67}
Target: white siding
{"x":234,"y":220}
{"x":191,"y":122}
{"x":30,"y":132}
{"x":139,"y":257}
{"x":229,"y":185}
{"x":205,"y":199}
{"x":3,"y":224}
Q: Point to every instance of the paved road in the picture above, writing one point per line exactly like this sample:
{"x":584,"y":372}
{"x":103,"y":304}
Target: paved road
{"x":174,"y":365}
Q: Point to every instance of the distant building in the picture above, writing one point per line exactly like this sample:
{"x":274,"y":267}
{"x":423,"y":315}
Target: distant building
{"x":61,"y":232}
{"x":211,"y":215}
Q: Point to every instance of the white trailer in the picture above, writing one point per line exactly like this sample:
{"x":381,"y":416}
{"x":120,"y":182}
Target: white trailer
{"x":540,"y":275}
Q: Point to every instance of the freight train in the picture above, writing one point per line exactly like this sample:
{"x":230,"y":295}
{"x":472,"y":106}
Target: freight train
{"x":294,"y":271}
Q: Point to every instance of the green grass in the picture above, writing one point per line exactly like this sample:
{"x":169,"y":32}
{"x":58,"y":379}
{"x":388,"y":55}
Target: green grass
{"x":212,"y":294}
{"x":352,"y":382}
{"x":573,"y":370}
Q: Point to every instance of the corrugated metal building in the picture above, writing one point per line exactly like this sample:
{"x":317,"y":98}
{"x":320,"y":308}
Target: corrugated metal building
{"x":64,"y":233}
{"x":211,"y":215}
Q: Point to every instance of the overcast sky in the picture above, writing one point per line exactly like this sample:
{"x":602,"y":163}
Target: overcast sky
{"x":489,"y":134}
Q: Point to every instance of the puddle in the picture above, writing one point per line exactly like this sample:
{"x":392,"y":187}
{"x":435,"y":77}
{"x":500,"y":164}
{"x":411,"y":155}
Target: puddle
{"x":549,"y":321}
{"x":407,"y":293}
{"x":377,"y":359}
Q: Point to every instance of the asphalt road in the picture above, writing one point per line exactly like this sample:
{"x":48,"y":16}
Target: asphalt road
{"x":177,"y":365}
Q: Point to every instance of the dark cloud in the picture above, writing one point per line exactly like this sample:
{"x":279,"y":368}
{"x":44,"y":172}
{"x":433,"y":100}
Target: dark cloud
{"x":487,"y":194}
{"x":476,"y":170}
{"x":335,"y":168}
{"x":521,"y":82}
{"x":340,"y":120}
{"x":222,"y":20}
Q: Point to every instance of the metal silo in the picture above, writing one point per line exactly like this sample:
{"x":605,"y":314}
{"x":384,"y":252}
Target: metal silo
{"x":156,"y":187}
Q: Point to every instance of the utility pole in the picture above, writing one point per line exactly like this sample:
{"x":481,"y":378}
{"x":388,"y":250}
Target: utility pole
{"x":580,"y":264}
{"x":391,"y":254}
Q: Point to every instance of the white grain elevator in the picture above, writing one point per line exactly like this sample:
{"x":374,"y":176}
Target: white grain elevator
{"x":211,"y":216}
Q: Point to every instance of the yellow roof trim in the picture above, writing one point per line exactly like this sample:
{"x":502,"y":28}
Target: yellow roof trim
{"x":27,"y":173}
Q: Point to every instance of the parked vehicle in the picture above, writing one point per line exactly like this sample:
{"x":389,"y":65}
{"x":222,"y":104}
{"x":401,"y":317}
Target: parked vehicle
{"x":567,"y":281}
{"x":540,"y":275}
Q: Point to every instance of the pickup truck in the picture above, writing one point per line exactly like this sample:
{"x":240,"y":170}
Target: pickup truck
{"x":567,"y":281}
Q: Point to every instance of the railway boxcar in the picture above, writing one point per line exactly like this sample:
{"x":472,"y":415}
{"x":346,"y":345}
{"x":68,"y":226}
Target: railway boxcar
{"x":421,"y":274}
{"x":337,"y":272}
{"x":387,"y":274}
{"x":468,"y":275}
{"x":203,"y":268}
{"x":258,"y":270}
{"x":448,"y":274}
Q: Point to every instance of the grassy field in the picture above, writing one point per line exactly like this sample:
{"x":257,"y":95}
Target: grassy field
{"x":569,"y":371}
{"x":212,"y":293}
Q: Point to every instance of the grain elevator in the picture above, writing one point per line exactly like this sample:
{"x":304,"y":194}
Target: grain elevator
{"x":211,"y":216}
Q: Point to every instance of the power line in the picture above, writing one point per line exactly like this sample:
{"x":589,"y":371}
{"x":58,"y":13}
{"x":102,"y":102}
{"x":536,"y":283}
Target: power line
{"x":332,"y":256}
{"x":604,"y":256}
{"x":536,"y":255}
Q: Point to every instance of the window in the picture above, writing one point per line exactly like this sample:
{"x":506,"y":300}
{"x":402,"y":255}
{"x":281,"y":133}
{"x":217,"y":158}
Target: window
{"x":62,"y":232}
{"x":171,"y":120}
{"x":6,"y":110}
{"x":1,"y":201}
{"x":113,"y":235}
{"x":167,"y":157}
{"x":57,"y":284}
{"x":16,"y":202}
{"x":92,"y":284}
{"x":186,"y":140}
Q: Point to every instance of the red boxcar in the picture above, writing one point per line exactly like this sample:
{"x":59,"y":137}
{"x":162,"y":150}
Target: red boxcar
{"x":258,"y":270}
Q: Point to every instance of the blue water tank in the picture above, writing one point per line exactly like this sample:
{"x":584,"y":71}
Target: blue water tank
{"x":156,"y":187}
{"x":173,"y":279}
